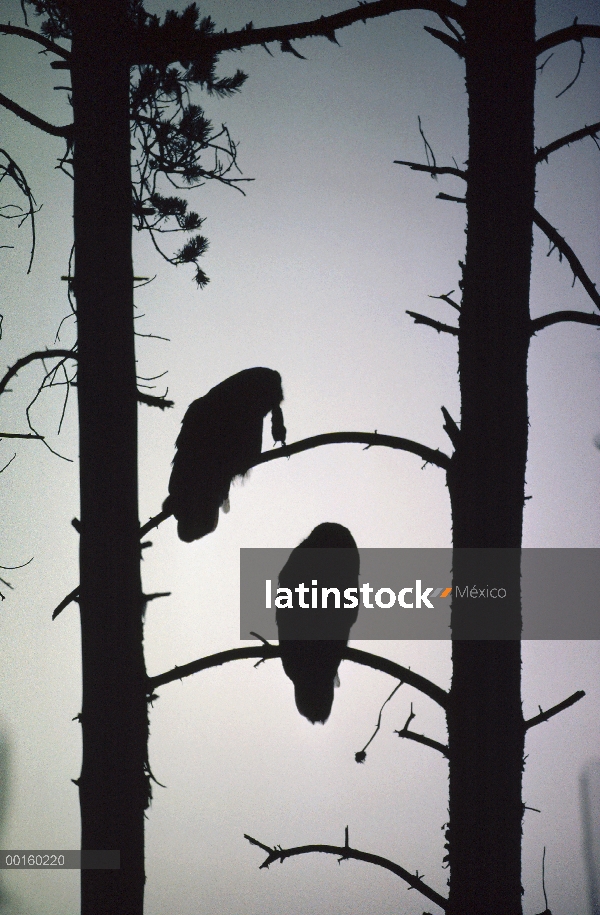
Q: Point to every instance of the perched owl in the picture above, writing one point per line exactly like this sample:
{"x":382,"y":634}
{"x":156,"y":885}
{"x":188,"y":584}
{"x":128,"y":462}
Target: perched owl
{"x":313,"y":639}
{"x":220,"y":439}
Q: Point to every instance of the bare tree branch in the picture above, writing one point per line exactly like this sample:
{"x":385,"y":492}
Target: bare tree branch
{"x":542,"y":154}
{"x":557,"y":240}
{"x":571,"y":258}
{"x":367,"y":438}
{"x":421,"y":738}
{"x":449,"y":40}
{"x":154,"y":46}
{"x":580,"y":317}
{"x":437,"y":325}
{"x":544,"y":716}
{"x":344,"y":853}
{"x":66,"y":131}
{"x":47,"y":43}
{"x":71,"y":596}
{"x":434,"y":169}
{"x":12,"y":170}
{"x":161,"y":402}
{"x":21,"y":435}
{"x":31,"y":357}
{"x":266,"y":651}
{"x":575,"y":32}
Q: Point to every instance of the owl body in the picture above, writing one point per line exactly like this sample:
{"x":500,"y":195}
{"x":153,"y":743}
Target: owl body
{"x":220,"y":439}
{"x":312,"y":663}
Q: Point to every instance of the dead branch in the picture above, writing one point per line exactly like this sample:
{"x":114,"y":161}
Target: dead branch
{"x":542,"y":154}
{"x":266,"y":651}
{"x":421,"y":738}
{"x":453,"y":43}
{"x":13,"y":171}
{"x":35,"y":36}
{"x":345,"y":852}
{"x":446,"y":298}
{"x":434,"y":169}
{"x":31,"y":357}
{"x":544,"y":716}
{"x":450,"y":427}
{"x":66,"y":131}
{"x":571,"y":258}
{"x":21,"y":435}
{"x":367,"y":438}
{"x":575,"y":32}
{"x":437,"y":325}
{"x":161,"y":402}
{"x":580,"y":317}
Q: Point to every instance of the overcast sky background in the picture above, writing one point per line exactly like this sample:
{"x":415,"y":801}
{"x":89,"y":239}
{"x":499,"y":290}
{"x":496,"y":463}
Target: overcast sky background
{"x":311,"y":274}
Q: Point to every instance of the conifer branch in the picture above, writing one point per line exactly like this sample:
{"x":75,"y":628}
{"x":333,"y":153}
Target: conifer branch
{"x":156,"y":47}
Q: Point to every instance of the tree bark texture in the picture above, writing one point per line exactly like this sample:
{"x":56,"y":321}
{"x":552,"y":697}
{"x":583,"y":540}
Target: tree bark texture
{"x":486,"y":478}
{"x":113,"y":785}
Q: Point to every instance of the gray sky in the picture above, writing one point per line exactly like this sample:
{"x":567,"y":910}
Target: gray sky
{"x":311,"y":273}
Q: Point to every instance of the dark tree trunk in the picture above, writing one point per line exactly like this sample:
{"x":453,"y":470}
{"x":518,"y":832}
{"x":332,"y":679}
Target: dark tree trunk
{"x":487,"y":476}
{"x":113,"y":786}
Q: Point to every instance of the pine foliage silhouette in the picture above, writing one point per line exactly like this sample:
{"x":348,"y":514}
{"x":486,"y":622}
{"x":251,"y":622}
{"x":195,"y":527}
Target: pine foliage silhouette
{"x":328,"y":556}
{"x":220,"y":439}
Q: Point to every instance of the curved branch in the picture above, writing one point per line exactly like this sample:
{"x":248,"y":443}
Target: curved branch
{"x":35,"y":36}
{"x":66,"y":131}
{"x":544,"y":716}
{"x":31,"y":357}
{"x":344,"y":853}
{"x":157,"y":46}
{"x":580,"y":317}
{"x":542,"y":154}
{"x":266,"y":651}
{"x":431,"y":456}
{"x":571,"y":258}
{"x":575,"y":32}
{"x":437,"y":325}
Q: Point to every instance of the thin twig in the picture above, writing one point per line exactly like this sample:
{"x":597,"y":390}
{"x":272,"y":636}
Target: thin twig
{"x":362,"y":754}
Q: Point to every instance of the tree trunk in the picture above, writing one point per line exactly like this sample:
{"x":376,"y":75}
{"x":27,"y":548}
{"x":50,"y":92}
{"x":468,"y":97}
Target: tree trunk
{"x":113,"y":786}
{"x":487,"y":475}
